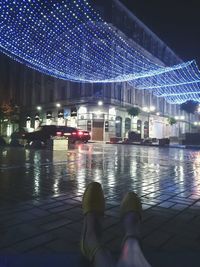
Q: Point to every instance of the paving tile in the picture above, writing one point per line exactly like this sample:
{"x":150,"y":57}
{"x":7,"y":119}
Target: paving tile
{"x":166,"y":204}
{"x":179,"y":207}
{"x":75,"y":226}
{"x":157,"y":239}
{"x":38,"y":212}
{"x":55,"y":224}
{"x":34,"y":242}
{"x":64,"y":207}
{"x":65,"y":233}
{"x":51,"y":205}
{"x":40,"y":250}
{"x":17,"y":234}
{"x":177,"y":243}
{"x":61,"y":246}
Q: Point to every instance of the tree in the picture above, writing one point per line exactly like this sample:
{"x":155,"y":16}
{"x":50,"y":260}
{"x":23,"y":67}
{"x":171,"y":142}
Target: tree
{"x":190,"y":107}
{"x":172,"y":121}
{"x":9,"y":113}
{"x":134,"y":111}
{"x":7,"y":110}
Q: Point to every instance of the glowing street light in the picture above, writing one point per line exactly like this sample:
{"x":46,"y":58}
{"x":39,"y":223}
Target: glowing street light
{"x":152,"y":108}
{"x":100,"y":103}
{"x":145,"y":109}
{"x":39,"y":108}
{"x":178,"y":118}
{"x":58,"y":105}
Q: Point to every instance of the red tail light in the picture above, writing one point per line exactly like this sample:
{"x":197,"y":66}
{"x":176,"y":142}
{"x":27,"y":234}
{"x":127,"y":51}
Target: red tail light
{"x":74,"y":133}
{"x":80,"y":133}
{"x":58,"y":133}
{"x":86,"y":133}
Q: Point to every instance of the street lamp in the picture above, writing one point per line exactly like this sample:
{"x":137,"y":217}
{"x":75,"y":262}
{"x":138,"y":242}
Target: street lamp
{"x":180,"y":118}
{"x":149,"y":109}
{"x":58,"y":105}
{"x":152,"y":108}
{"x":39,"y":108}
{"x":100,"y":103}
{"x":145,"y":109}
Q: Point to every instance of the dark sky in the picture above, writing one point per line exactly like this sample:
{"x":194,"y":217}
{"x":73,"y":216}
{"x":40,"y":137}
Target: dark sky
{"x":176,"y":22}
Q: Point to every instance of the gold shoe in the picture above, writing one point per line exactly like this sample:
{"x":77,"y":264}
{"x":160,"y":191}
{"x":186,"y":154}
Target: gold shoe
{"x":93,"y":201}
{"x":131,"y":203}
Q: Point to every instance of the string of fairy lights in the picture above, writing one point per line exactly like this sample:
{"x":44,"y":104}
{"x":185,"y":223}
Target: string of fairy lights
{"x":69,"y":40}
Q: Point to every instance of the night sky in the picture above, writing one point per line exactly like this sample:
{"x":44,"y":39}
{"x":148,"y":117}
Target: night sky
{"x":176,"y":22}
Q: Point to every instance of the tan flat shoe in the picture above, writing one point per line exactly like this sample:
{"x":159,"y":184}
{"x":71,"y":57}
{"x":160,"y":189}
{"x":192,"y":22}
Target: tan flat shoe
{"x":131,"y":203}
{"x":93,"y":201}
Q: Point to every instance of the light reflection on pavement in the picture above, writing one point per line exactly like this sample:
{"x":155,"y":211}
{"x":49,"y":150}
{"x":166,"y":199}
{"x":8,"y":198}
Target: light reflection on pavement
{"x":150,"y":172}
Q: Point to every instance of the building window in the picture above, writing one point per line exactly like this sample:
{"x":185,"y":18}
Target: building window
{"x":118,"y":92}
{"x":146,"y":129}
{"x":108,"y":89}
{"x":127,"y":124}
{"x":63,"y":93}
{"x":75,"y":90}
{"x":139,"y":126}
{"x":106,"y":126}
{"x":118,"y":126}
{"x":146,"y":98}
{"x":38,"y":89}
{"x":129,"y":95}
{"x":88,"y":89}
{"x":138,"y":97}
{"x":89,"y":125}
{"x":51,"y":95}
{"x":98,"y":90}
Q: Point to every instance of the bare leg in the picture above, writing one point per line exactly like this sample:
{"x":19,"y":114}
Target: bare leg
{"x":92,"y":239}
{"x":132,"y":255}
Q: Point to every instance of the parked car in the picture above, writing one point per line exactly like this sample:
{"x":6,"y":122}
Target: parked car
{"x":2,"y":141}
{"x":17,"y":137}
{"x":43,"y":133}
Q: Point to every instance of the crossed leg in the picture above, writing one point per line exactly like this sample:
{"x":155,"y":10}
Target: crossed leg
{"x":131,"y":255}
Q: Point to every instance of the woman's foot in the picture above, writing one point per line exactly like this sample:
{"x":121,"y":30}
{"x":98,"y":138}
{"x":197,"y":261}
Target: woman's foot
{"x":131,"y":223}
{"x":93,"y":210}
{"x":93,"y":231}
{"x":132,"y":254}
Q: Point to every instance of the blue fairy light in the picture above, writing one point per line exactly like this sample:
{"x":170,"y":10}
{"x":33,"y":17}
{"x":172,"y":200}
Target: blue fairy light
{"x":69,"y":40}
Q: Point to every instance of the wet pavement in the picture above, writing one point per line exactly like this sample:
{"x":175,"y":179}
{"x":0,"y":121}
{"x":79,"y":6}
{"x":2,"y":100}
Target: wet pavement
{"x":41,"y":192}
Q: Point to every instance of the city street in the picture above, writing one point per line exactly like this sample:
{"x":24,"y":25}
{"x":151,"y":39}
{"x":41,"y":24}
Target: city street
{"x":41,"y":192}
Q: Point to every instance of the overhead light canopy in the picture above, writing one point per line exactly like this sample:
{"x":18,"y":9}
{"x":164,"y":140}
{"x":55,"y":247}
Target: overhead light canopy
{"x":69,"y":40}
